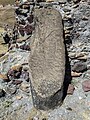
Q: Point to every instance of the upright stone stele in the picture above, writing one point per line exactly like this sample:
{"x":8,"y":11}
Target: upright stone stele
{"x":47,"y":59}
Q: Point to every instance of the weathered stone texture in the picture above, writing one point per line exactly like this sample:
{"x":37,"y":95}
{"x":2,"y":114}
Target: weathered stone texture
{"x":47,"y":59}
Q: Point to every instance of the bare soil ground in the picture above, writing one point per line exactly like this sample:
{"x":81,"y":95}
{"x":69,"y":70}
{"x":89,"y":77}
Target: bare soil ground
{"x":7,"y":16}
{"x":5,"y":2}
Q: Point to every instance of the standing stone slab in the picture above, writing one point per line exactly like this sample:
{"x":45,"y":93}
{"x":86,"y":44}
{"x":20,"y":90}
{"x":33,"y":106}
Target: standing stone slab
{"x":47,"y":59}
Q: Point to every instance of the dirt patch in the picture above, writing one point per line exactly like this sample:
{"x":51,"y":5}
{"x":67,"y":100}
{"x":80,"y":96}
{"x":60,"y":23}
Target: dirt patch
{"x":5,"y":2}
{"x":7,"y":16}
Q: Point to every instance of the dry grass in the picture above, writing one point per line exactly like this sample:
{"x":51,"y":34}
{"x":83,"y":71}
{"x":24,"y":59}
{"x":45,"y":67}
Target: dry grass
{"x":5,"y":2}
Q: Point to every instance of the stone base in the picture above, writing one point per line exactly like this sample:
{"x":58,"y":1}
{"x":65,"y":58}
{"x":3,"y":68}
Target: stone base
{"x":49,"y":102}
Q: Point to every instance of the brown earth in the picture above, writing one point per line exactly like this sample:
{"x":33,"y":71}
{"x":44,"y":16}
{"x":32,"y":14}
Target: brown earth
{"x":7,"y":16}
{"x":5,"y":2}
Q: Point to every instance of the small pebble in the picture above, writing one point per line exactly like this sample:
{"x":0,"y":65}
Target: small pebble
{"x":14,"y":72}
{"x":70,"y":109}
{"x":25,"y":76}
{"x":79,"y":67}
{"x":2,"y":93}
{"x":70,"y":89}
{"x":11,"y":90}
{"x":75,"y":74}
{"x":17,"y":82}
{"x":76,"y":1}
{"x":19,"y":97}
{"x":4,"y":77}
{"x":86,"y":85}
{"x":84,"y":18}
{"x":25,"y":47}
{"x":25,"y":87}
{"x":17,"y":67}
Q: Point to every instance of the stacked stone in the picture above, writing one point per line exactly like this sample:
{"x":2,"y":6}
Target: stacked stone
{"x":24,"y":18}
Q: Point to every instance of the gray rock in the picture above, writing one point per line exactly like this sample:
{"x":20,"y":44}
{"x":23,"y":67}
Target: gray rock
{"x":10,"y":90}
{"x":86,"y":85}
{"x":17,"y":82}
{"x":70,"y":89}
{"x":79,"y":67}
{"x":76,"y":1}
{"x":2,"y":93}
{"x":25,"y":76}
{"x":47,"y":59}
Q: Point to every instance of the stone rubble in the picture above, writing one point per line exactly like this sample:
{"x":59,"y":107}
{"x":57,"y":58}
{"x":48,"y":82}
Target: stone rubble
{"x":15,"y":95}
{"x":79,"y":67}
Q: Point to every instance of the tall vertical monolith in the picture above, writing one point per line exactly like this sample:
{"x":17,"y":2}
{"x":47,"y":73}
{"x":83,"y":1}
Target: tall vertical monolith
{"x":47,"y":59}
